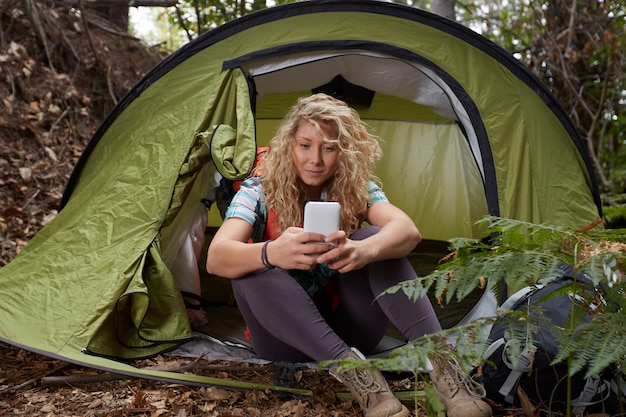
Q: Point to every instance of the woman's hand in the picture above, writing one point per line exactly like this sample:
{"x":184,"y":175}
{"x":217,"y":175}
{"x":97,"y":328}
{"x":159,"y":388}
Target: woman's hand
{"x":230,"y":256}
{"x":345,"y":254}
{"x":296,"y":249}
{"x":397,"y":236}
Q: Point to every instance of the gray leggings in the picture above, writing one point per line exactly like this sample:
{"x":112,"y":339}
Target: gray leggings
{"x":286,"y":324}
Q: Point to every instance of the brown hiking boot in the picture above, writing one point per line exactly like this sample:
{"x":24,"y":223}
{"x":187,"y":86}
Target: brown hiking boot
{"x":370,"y":389}
{"x":460,"y":394}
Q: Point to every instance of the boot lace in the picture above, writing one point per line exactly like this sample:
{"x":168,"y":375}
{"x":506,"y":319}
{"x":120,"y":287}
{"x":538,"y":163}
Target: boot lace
{"x":363,"y":382}
{"x":458,"y":380}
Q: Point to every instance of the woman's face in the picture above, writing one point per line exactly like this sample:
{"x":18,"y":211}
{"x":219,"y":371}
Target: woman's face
{"x":314,"y":161}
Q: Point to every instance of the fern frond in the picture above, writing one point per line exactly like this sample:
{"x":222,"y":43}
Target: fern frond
{"x":603,"y":263}
{"x":519,"y":328}
{"x":517,"y":234}
{"x":414,"y":289}
{"x":521,"y":254}
{"x":517,"y":269}
{"x":596,"y":345}
{"x":611,"y":235}
{"x":468,"y":342}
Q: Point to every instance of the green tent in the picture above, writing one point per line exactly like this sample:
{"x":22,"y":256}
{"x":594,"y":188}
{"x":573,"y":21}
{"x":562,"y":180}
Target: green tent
{"x":466,"y":130}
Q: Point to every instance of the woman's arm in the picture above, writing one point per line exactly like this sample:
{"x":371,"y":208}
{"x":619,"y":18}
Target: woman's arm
{"x":231,"y":256}
{"x":398,"y":235}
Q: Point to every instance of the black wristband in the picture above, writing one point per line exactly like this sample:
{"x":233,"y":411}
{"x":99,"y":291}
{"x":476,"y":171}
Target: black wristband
{"x":264,"y":259}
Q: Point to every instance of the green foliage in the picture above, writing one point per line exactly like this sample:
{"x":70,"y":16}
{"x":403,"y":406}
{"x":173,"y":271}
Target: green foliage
{"x":432,"y":404}
{"x":415,"y":355}
{"x":597,"y":345}
{"x":525,"y":254}
{"x":577,"y":50}
{"x":198,"y":16}
{"x":522,"y":254}
{"x":614,"y":215}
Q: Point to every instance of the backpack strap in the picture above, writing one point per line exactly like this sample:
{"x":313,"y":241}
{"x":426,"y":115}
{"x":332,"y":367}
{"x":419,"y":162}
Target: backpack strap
{"x":593,"y":385}
{"x":493,"y":347}
{"x":520,"y":296}
{"x":523,"y":365}
{"x":256,"y":170}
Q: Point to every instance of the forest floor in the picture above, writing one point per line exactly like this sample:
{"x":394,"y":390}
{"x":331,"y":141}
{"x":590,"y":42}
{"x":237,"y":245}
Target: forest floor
{"x":35,"y":385}
{"x":39,"y":386}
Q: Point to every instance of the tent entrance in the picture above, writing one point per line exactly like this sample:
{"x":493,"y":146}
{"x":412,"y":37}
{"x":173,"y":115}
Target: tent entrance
{"x":427,"y":123}
{"x":415,"y":89}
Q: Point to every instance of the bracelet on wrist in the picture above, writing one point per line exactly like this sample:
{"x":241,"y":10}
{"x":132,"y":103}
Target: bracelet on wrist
{"x":264,"y":259}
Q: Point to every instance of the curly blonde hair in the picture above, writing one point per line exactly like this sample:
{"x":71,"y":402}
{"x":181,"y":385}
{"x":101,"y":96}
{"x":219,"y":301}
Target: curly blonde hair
{"x":358,"y":152}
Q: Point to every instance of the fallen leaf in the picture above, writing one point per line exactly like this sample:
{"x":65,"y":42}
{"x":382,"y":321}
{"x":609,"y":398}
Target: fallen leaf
{"x":8,"y":105}
{"x":51,"y":154}
{"x":527,"y":406}
{"x":16,"y":49}
{"x":26,"y":173}
{"x":216,"y":394}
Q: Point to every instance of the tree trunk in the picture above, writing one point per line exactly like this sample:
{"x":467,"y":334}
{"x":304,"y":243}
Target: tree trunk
{"x":444,"y":8}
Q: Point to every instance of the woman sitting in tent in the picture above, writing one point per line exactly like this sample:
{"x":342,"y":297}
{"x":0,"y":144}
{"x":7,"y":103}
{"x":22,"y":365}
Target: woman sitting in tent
{"x":306,"y":296}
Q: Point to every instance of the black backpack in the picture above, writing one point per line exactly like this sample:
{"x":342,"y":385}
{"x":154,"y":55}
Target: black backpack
{"x":543,"y":383}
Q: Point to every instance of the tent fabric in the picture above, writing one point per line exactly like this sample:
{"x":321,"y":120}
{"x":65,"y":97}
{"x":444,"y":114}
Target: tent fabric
{"x":466,"y":131}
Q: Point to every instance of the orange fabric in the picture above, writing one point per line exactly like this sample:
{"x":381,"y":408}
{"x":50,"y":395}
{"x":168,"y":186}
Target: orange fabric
{"x":256,"y":170}
{"x":271,"y":225}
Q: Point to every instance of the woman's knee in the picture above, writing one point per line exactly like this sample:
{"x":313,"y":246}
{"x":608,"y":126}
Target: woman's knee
{"x":365,"y":232}
{"x":264,"y":287}
{"x":259,"y":282}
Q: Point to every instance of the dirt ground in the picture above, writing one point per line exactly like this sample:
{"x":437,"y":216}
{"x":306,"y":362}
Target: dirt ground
{"x":34,"y":385}
{"x":53,"y":96}
{"x":54,"y":93}
{"x":38,"y":386}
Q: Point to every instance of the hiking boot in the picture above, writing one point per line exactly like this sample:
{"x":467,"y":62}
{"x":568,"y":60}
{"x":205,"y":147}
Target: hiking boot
{"x":370,"y":389}
{"x":461,"y":395}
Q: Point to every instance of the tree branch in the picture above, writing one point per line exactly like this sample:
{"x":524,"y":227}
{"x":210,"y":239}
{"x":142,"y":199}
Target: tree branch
{"x":182,"y":24}
{"x":131,"y":3}
{"x":83,"y":15}
{"x":32,"y":381}
{"x":591,"y":133}
{"x":31,"y":11}
{"x":110,"y":85}
{"x":153,"y":3}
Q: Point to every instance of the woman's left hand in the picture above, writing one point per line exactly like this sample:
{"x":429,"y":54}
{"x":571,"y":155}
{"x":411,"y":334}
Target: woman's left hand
{"x":347,"y":256}
{"x":397,"y":236}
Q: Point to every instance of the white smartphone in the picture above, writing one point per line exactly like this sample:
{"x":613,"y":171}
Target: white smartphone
{"x":322,"y":217}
